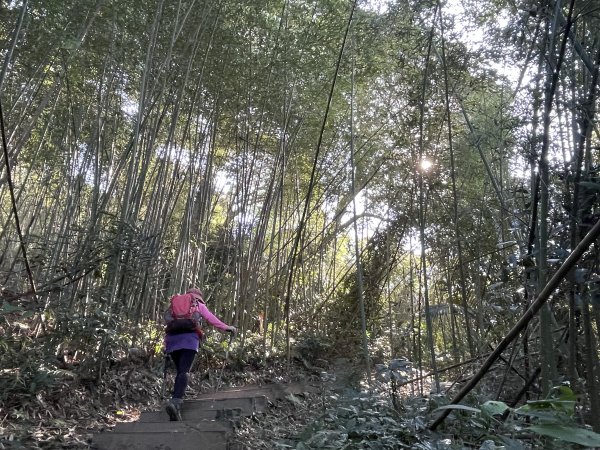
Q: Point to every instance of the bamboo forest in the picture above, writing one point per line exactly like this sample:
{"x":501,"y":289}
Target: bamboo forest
{"x":390,"y":210}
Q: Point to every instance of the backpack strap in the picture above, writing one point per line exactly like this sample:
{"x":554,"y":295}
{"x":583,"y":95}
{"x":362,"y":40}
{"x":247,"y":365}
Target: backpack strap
{"x":193,"y":305}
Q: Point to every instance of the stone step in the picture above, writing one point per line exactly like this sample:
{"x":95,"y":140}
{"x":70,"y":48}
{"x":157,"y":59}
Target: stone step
{"x":271,"y":391}
{"x":171,"y":427}
{"x":208,"y":414}
{"x":212,"y":409}
{"x":168,"y":440}
{"x":248,"y":404}
{"x":199,"y":430}
{"x":280,"y":389}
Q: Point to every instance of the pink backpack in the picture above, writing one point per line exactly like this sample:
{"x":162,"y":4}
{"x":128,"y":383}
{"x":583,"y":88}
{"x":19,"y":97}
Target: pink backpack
{"x":183,"y":315}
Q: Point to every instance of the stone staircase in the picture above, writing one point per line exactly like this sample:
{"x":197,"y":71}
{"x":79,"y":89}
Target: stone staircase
{"x":207,"y":421}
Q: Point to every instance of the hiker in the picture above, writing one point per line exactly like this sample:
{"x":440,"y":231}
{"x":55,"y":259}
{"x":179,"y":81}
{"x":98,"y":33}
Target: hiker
{"x":182,"y":341}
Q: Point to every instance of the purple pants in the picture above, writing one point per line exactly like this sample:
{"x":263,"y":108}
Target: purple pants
{"x":183,"y":360}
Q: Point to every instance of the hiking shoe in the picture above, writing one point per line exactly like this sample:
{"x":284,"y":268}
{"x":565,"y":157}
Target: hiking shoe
{"x":174,"y":411}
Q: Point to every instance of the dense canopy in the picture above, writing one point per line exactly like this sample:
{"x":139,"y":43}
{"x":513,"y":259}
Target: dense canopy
{"x":377,"y":178}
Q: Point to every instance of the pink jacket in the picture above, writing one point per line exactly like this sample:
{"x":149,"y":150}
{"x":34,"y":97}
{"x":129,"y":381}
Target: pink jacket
{"x":210,"y":317}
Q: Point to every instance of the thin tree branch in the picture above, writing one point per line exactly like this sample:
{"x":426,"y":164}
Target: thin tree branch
{"x":13,"y":200}
{"x":311,"y":184}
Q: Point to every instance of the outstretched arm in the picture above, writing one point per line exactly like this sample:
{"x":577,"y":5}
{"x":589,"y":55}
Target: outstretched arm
{"x":211,"y":318}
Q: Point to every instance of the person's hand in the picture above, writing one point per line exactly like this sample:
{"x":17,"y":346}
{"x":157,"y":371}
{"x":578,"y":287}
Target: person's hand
{"x":231,"y":329}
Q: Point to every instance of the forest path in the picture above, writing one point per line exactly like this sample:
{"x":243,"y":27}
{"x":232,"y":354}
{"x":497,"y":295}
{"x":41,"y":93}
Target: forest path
{"x":208,"y":420}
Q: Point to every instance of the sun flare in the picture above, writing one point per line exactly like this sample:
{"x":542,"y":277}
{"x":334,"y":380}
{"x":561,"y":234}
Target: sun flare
{"x":425,"y":164}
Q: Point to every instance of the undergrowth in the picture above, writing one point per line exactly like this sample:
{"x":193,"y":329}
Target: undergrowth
{"x":58,"y":387}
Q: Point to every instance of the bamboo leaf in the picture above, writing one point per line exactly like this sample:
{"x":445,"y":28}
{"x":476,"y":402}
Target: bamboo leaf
{"x":493,"y":408}
{"x":576,"y":435}
{"x":458,"y":407}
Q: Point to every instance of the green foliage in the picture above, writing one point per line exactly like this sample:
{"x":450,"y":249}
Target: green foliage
{"x":552,"y":417}
{"x":73,"y":348}
{"x":313,"y":346}
{"x":26,"y":371}
{"x":120,"y":209}
{"x":559,"y":406}
{"x":555,"y":417}
{"x":568,"y":434}
{"x":356,"y":422}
